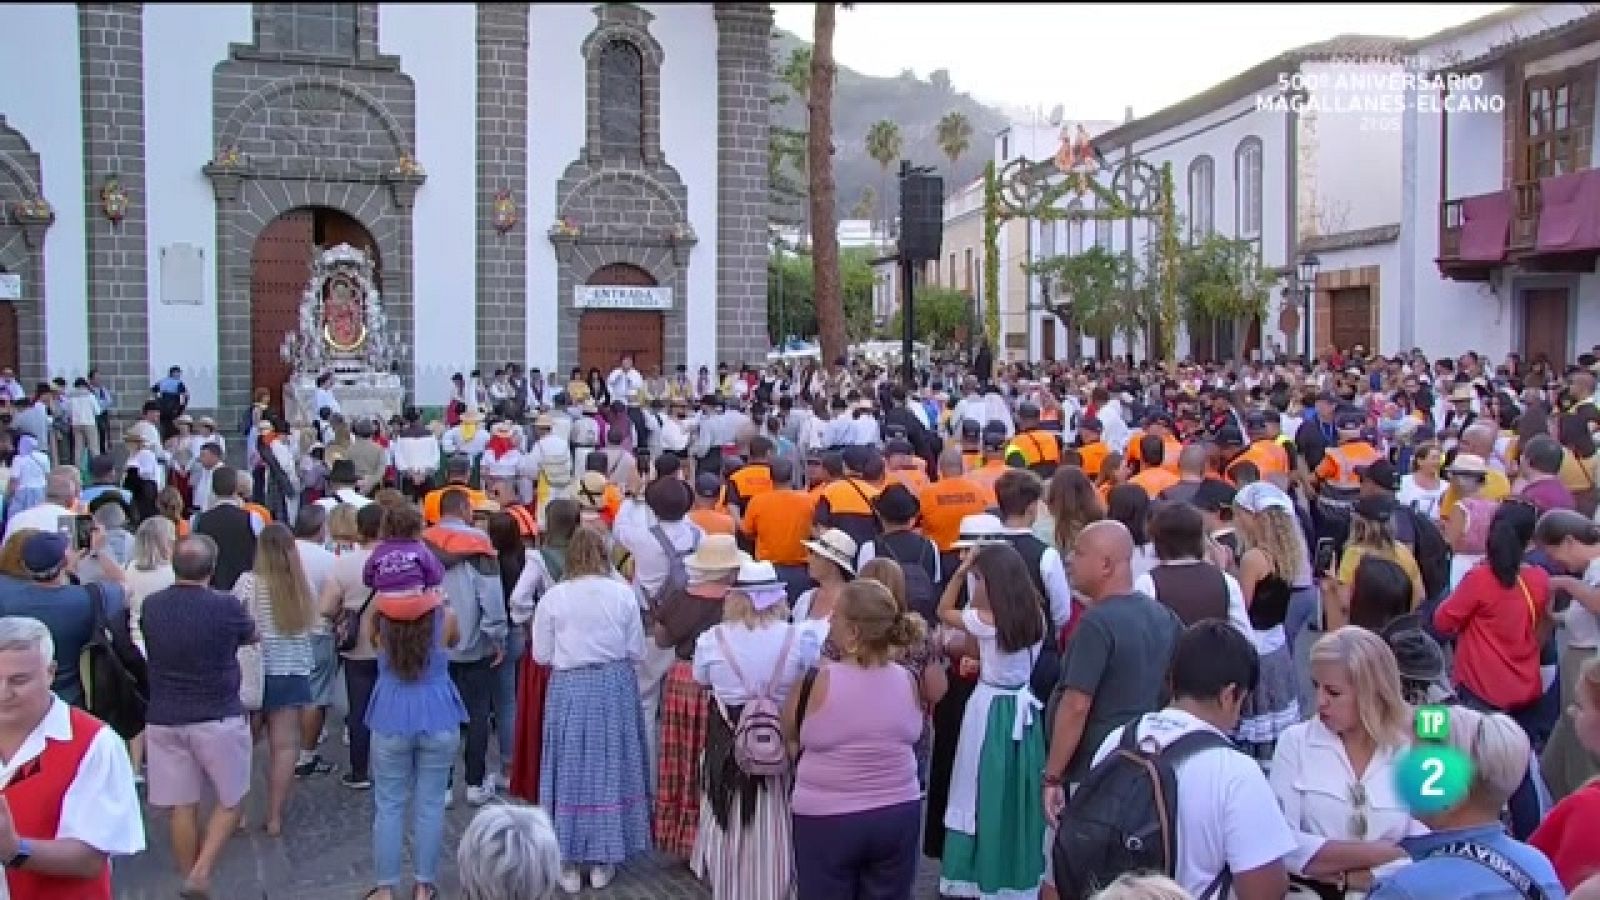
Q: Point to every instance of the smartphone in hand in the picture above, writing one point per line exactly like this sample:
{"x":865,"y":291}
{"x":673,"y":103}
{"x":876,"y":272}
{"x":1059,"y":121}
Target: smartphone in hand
{"x":1324,"y":561}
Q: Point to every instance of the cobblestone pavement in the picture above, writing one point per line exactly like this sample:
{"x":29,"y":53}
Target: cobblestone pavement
{"x":326,"y":851}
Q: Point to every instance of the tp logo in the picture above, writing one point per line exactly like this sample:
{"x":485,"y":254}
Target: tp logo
{"x":1433,"y":777}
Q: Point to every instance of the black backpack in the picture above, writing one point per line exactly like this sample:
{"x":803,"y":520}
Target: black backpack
{"x":116,"y":682}
{"x":1123,"y":817}
{"x":1429,"y":548}
{"x":921,"y":595}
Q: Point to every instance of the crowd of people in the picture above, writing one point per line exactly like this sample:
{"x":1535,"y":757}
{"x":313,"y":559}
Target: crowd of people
{"x":1118,"y":630}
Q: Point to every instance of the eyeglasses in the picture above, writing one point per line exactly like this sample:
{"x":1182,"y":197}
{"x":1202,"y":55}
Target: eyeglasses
{"x":1358,"y":814}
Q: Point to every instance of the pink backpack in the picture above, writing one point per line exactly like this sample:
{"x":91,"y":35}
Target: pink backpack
{"x":759,"y":747}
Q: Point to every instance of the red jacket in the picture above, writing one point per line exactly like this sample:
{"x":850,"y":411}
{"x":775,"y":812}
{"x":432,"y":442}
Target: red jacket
{"x":1497,"y":655}
{"x":1569,"y":836}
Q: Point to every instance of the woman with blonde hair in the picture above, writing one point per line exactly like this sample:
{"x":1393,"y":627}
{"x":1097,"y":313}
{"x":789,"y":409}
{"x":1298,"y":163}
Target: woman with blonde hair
{"x":593,"y":774}
{"x":1334,"y":774}
{"x":857,"y":804}
{"x":1371,"y":534}
{"x":11,"y":553}
{"x":150,"y":569}
{"x":344,"y":536}
{"x":1272,"y":564}
{"x":1133,"y":886}
{"x":1441,"y":866}
{"x":277,"y":595}
{"x":742,"y":849}
{"x":924,"y":660}
{"x":1071,"y":503}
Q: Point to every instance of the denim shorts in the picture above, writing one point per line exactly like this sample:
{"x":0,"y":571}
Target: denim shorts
{"x":324,"y":669}
{"x":285,"y":692}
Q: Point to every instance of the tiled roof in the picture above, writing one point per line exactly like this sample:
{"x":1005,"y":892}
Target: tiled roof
{"x":1347,"y":240}
{"x":1519,"y":42}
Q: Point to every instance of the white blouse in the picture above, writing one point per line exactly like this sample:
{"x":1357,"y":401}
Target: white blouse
{"x":1419,"y":498}
{"x":586,"y":622}
{"x":756,"y":651}
{"x":1316,"y":787}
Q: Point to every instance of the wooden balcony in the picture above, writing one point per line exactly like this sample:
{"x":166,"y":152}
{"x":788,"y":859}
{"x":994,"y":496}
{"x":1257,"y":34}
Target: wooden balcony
{"x":1473,"y":235}
{"x":1525,"y":200}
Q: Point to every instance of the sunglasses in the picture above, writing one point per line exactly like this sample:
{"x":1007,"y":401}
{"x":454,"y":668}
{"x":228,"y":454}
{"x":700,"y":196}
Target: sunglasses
{"x":1358,"y":813}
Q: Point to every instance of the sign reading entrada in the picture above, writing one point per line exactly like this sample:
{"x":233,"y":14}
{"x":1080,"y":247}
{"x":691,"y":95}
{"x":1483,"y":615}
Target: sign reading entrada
{"x":595,"y":296}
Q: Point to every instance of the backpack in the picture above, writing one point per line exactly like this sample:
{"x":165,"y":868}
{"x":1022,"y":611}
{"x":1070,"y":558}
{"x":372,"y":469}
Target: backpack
{"x":556,"y":468}
{"x":116,"y":681}
{"x":1124,"y":815}
{"x":1428,"y":546}
{"x":759,"y":747}
{"x":677,"y":574}
{"x":921,"y":595}
{"x":585,"y":432}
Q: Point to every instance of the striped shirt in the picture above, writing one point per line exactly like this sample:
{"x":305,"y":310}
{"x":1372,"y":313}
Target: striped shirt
{"x":281,"y":654}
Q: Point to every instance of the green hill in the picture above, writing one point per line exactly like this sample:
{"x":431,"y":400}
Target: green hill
{"x":915,"y":105}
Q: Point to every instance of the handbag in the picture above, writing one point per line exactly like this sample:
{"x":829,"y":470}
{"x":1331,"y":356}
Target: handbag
{"x":252,"y":678}
{"x":114,"y":676}
{"x":347,"y":627}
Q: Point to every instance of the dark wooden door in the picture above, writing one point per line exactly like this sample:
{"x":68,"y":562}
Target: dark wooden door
{"x":1544,"y":326}
{"x":1047,"y":343}
{"x":279,"y":270}
{"x":10,"y":346}
{"x":604,"y":336}
{"x":1350,"y":318}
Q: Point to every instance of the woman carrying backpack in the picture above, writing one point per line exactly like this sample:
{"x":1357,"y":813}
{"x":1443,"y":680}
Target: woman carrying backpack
{"x":750,"y":663}
{"x":998,"y":775}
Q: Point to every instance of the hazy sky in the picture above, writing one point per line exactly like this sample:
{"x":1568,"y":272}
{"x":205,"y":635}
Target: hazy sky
{"x":1096,"y":59}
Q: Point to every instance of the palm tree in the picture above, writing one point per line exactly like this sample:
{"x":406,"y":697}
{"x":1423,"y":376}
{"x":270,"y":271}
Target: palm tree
{"x":955,"y":136}
{"x":883,"y":145}
{"x":827,"y":296}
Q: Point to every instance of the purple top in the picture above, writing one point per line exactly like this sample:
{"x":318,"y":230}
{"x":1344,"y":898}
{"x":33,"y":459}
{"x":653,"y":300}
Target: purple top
{"x":1549,"y":494}
{"x":858,"y":744}
{"x":402,"y":565}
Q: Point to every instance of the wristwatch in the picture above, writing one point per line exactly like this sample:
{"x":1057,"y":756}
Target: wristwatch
{"x":21,"y":857}
{"x":1051,"y":780}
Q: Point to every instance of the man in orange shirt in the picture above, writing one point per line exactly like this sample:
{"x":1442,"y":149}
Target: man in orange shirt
{"x":707,"y":490}
{"x":994,"y":460}
{"x":755,"y":477}
{"x":820,"y":470}
{"x":457,"y":473}
{"x":1157,"y":424}
{"x":1153,"y":474}
{"x":775,"y":524}
{"x":1267,"y":453}
{"x":904,"y":467}
{"x":1090,"y":447}
{"x":952,"y":498}
{"x":971,"y":444}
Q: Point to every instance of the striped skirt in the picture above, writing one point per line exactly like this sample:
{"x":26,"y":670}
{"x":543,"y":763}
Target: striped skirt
{"x":592,"y":771}
{"x":683,"y":738}
{"x":533,"y":681}
{"x":743,"y":849}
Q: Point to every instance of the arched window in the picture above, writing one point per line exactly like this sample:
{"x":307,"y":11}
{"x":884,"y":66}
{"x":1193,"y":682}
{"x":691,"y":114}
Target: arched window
{"x":1247,"y":188}
{"x":621,"y":98}
{"x":1075,"y":230}
{"x":1202,"y":185}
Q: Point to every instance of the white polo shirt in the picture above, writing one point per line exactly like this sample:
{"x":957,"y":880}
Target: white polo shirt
{"x":1227,"y":813}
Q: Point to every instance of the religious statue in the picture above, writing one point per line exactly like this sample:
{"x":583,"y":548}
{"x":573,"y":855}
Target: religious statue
{"x":342,"y":332}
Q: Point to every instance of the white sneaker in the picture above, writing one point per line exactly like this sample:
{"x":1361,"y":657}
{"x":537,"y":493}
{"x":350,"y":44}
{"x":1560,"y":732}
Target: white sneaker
{"x":478,"y":796}
{"x":499,"y":783}
{"x":571,"y":879}
{"x":600,"y":876}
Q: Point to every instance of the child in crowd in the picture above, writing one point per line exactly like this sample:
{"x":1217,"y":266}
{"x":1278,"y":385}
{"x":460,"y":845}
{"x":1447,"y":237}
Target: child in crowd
{"x":402,"y":564}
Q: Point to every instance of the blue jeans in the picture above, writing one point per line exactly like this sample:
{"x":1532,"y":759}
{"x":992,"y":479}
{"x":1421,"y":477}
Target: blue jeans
{"x":414,"y":767}
{"x":505,"y":695}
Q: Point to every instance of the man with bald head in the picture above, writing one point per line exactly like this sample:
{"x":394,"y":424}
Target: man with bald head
{"x":1115,"y":665}
{"x":1192,"y":461}
{"x":1478,"y":440}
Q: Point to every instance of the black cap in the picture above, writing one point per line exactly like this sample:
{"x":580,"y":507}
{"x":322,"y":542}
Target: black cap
{"x":1229,"y":436}
{"x":1380,"y":473}
{"x":897,"y":504}
{"x":1214,"y":495}
{"x":1090,"y":423}
{"x":1027,"y":409}
{"x":707,"y":485}
{"x":899,"y":446}
{"x":1375,"y":508}
{"x":856,"y":456}
{"x":342,"y":472}
{"x":1255,"y":420}
{"x":970,"y":428}
{"x":1349,"y":418}
{"x":994,"y":440}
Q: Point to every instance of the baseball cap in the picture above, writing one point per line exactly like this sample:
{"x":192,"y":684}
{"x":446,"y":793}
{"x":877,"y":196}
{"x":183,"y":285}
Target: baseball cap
{"x":899,"y":446}
{"x":1380,"y":473}
{"x":1229,"y":436}
{"x":44,"y":554}
{"x":1255,"y":420}
{"x":1090,"y":423}
{"x":970,"y":428}
{"x":1213,"y":495}
{"x":707,"y":485}
{"x":994,"y":440}
{"x":1262,"y":496}
{"x":897,"y":504}
{"x":1374,"y":508}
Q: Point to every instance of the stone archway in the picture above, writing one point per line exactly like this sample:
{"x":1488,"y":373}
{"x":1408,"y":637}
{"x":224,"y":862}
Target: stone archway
{"x":280,"y":266}
{"x":25,"y":216}
{"x":606,"y":335}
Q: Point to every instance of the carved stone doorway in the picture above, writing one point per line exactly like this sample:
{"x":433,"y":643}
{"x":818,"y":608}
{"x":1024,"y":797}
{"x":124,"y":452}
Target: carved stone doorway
{"x":280,"y":267}
{"x":10,"y":348}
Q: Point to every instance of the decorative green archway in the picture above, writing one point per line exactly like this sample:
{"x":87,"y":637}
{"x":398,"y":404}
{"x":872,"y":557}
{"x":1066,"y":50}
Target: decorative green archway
{"x":1133,"y":189}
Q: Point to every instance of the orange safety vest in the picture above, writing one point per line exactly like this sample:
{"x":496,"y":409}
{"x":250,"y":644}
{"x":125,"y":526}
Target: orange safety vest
{"x":914,"y":479}
{"x":1035,"y":447}
{"x":1339,"y":464}
{"x":752,"y":481}
{"x":1094,"y":457}
{"x":1268,"y":455}
{"x":971,"y":461}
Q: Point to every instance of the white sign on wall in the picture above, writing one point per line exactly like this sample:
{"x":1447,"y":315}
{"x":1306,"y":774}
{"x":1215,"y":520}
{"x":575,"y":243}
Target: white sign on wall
{"x":610,"y":296}
{"x":182,"y":275}
{"x":10,"y":286}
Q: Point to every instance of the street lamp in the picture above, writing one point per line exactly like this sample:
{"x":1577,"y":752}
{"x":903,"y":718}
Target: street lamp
{"x":1308,"y":279}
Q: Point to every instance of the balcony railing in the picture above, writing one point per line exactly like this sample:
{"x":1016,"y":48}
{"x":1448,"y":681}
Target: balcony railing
{"x":1450,"y":229}
{"x":1525,"y":202}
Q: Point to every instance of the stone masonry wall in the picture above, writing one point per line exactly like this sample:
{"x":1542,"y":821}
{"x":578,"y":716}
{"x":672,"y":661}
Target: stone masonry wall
{"x":744,"y":64}
{"x":111,"y":46}
{"x":502,"y":309}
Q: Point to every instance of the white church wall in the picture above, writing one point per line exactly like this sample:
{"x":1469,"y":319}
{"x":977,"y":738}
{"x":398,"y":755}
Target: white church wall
{"x":688,"y":36}
{"x":437,"y":46}
{"x":44,"y":104}
{"x":555,"y":138}
{"x":188,"y":41}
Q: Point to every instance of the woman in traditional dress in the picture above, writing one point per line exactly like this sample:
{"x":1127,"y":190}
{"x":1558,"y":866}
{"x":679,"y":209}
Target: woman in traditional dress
{"x":1000,"y":756}
{"x":593,"y":770}
{"x":743,"y":847}
{"x":681,"y":616}
{"x":540,"y":573}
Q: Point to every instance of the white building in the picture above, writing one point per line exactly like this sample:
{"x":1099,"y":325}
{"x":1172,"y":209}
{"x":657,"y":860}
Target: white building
{"x":166,"y":169}
{"x":1502,"y":216}
{"x":1287,"y":175}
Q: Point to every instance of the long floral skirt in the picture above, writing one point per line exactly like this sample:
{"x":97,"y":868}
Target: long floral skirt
{"x":593,"y":778}
{"x":683,"y":738}
{"x":533,"y":681}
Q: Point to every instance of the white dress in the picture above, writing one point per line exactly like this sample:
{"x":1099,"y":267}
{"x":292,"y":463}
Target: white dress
{"x":999,"y":674}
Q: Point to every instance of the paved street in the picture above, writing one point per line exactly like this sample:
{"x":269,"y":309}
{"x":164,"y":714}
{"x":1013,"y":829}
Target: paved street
{"x":326,"y":851}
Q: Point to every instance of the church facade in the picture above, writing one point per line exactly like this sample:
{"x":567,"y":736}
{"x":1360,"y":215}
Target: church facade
{"x":547,"y":184}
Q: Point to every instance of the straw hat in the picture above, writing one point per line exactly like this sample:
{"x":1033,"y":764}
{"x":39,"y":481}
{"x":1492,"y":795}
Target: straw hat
{"x":836,"y":547}
{"x":134,"y":436}
{"x":503,"y":428}
{"x":977,"y":529}
{"x":1469,"y":464}
{"x":717,"y":553}
{"x":1461,"y":393}
{"x":591,"y":491}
